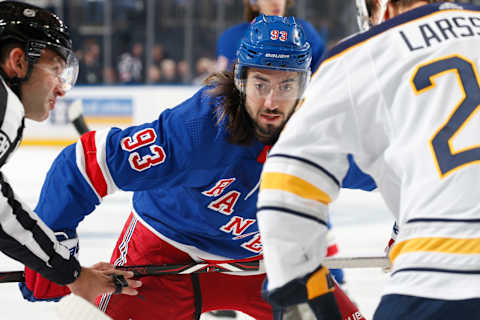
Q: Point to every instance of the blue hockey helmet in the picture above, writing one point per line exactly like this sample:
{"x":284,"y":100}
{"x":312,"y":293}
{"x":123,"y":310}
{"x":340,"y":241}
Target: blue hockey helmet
{"x":275,"y":43}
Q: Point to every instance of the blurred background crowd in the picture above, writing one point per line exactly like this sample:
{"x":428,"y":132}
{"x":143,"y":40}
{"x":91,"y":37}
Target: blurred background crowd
{"x":169,"y":41}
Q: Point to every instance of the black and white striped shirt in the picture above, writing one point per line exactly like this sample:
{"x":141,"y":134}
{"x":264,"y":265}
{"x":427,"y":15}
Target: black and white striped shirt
{"x":23,"y":235}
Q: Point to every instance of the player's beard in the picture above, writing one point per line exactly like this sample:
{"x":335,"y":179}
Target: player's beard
{"x":270,"y":134}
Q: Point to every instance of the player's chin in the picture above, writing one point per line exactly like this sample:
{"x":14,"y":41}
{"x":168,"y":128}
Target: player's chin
{"x":269,"y":135}
{"x":42,"y":116}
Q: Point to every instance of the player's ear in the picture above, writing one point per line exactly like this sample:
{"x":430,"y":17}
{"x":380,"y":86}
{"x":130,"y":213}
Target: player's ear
{"x":17,"y":62}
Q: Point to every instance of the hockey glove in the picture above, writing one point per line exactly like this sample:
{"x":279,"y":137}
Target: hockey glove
{"x":37,"y":288}
{"x":322,"y":294}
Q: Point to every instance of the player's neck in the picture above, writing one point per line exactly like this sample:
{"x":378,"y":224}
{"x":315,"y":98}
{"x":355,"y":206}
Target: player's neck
{"x":395,"y":10}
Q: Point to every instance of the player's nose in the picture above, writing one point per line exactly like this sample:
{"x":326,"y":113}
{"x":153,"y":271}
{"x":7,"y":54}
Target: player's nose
{"x":270,"y":101}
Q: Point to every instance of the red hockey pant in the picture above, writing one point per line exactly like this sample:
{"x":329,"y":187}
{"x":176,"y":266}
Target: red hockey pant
{"x":177,"y":297}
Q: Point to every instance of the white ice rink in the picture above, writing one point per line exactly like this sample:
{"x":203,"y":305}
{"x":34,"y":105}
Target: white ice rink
{"x":361,"y":222}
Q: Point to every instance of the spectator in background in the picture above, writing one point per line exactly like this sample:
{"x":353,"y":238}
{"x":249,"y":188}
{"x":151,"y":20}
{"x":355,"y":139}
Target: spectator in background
{"x":183,"y":71}
{"x":168,"y":72}
{"x":204,"y":67}
{"x":109,"y":75}
{"x":154,"y":74}
{"x":159,"y":62}
{"x":90,"y":71}
{"x":229,"y":41}
{"x":130,"y":65}
{"x":158,"y":54}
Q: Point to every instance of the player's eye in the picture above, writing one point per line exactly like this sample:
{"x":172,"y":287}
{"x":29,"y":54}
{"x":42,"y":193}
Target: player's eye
{"x":263,"y":88}
{"x":260,"y":86}
{"x":286,"y":87}
{"x":57,"y":70}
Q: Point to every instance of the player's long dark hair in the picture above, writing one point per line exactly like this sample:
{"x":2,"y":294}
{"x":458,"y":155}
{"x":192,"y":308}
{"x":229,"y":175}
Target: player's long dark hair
{"x":232,"y":109}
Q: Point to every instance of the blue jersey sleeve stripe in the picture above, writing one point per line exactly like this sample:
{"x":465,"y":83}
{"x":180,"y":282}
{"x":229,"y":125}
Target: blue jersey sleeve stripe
{"x":293,"y":212}
{"x":435,"y":270}
{"x":443,"y":220}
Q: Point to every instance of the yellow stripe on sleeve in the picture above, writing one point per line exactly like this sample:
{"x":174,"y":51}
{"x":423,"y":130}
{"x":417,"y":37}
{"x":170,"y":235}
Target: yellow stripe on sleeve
{"x":295,"y":185}
{"x":441,"y":245}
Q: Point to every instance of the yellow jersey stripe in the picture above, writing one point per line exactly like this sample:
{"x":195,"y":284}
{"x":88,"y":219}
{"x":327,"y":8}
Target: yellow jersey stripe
{"x":440,"y":245}
{"x":295,"y":185}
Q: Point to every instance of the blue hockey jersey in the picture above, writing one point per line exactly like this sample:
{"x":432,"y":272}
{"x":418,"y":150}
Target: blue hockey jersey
{"x":190,"y":185}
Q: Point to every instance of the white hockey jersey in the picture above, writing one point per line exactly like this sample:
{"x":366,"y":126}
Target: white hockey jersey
{"x":403,"y":98}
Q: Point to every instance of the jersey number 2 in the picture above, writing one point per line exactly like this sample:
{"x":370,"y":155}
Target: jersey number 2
{"x":446,"y":158}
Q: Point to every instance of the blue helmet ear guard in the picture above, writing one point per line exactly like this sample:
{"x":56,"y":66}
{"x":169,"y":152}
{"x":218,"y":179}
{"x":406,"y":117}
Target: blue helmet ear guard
{"x":274,"y":43}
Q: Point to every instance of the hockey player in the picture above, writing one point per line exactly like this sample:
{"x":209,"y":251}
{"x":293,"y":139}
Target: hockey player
{"x":195,"y":175}
{"x":226,"y":53}
{"x":403,"y":98}
{"x":36,"y":67}
{"x":229,"y":41}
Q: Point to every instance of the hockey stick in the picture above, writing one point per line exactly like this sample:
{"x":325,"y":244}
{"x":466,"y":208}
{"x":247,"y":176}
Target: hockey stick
{"x":357,"y":262}
{"x":331,"y":263}
{"x":12,"y":276}
{"x":75,"y":116}
{"x":156,"y":270}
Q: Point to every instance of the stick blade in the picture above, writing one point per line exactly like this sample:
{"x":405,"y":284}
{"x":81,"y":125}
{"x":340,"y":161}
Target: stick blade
{"x":75,"y":115}
{"x":75,"y":109}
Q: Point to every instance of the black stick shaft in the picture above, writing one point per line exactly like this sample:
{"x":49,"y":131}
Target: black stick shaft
{"x":80,"y":125}
{"x":156,"y":270}
{"x":12,"y":276}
